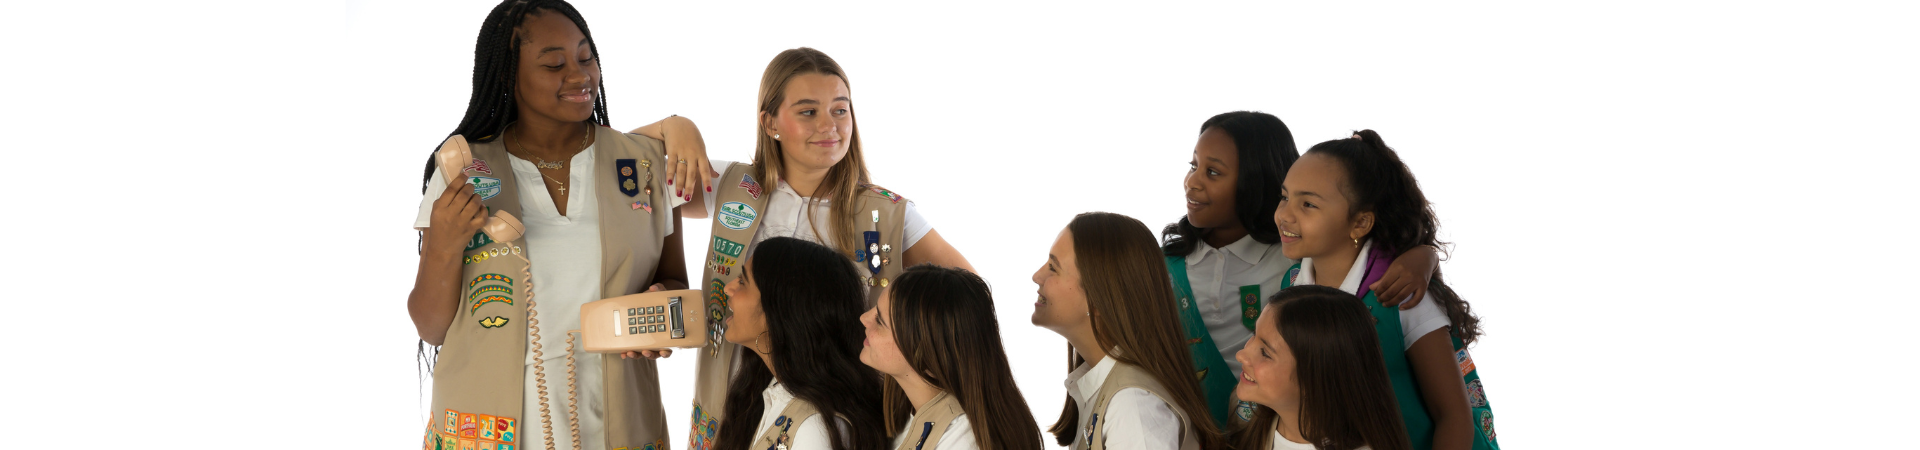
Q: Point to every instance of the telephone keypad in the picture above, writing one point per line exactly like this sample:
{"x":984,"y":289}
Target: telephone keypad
{"x":648,"y":319}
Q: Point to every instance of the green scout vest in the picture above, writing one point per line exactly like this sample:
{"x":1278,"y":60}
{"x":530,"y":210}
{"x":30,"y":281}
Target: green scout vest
{"x":479,"y":377}
{"x":932,"y":420}
{"x":739,"y":200}
{"x":1217,"y":379}
{"x":1124,"y":376}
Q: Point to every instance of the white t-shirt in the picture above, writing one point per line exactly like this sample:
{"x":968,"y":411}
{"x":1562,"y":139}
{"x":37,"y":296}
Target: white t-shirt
{"x":565,"y":251}
{"x":959,"y":436}
{"x":1280,"y":443}
{"x":1414,"y":323}
{"x":1216,"y":275}
{"x":787,"y":215}
{"x":806,"y":433}
{"x":1135,"y":419}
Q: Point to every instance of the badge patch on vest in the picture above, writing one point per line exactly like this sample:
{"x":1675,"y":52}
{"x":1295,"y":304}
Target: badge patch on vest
{"x":1476,"y":394}
{"x":493,"y":322}
{"x":716,"y":316}
{"x":704,"y":429}
{"x":1249,"y":305}
{"x":491,"y":299}
{"x":737,"y":216}
{"x":629,"y":178}
{"x":1244,"y":411}
{"x":478,"y":166}
{"x":753,"y":189}
{"x":1486,"y":423}
{"x":896,"y":198}
{"x":643,"y":205}
{"x":1466,"y":362}
{"x":490,"y":277}
{"x":489,"y":288}
{"x":728,"y":247}
{"x":480,"y":239}
{"x":485,"y":187}
{"x":473,"y":431}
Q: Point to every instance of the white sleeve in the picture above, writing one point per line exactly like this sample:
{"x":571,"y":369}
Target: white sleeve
{"x":435,"y":186}
{"x":916,"y":226}
{"x":812,"y":434}
{"x":1422,"y":319}
{"x":1137,"y":420}
{"x":959,"y":436}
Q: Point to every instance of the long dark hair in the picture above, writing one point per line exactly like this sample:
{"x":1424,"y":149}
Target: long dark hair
{"x":1378,"y":181}
{"x":1130,"y":297}
{"x":817,"y":297}
{"x":496,"y":64}
{"x":1346,"y":400}
{"x":1266,"y":151}
{"x":944,"y":323}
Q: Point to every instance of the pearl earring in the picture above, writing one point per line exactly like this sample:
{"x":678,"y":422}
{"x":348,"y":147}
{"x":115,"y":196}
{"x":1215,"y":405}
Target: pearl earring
{"x":776,"y":136}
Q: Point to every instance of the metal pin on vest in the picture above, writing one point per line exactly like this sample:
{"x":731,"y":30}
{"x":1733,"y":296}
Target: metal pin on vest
{"x":870,"y":253}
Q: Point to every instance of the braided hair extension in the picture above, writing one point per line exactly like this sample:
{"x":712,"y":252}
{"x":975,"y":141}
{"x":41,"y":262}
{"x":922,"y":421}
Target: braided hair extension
{"x":496,"y":62}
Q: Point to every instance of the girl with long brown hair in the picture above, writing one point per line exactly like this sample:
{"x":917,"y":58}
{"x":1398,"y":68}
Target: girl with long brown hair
{"x":935,"y":340}
{"x":1105,"y":289}
{"x":1313,"y":367}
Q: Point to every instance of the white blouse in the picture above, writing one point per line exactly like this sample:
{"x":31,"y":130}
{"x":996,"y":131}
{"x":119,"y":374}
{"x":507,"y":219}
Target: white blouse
{"x":806,"y":433}
{"x":1135,"y":419}
{"x":959,"y":436}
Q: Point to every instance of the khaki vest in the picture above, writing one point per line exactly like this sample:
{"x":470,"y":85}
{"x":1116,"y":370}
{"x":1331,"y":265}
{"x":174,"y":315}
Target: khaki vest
{"x":1124,"y":376}
{"x":780,"y":431}
{"x":932,"y":421}
{"x":739,"y":200}
{"x":478,"y":379}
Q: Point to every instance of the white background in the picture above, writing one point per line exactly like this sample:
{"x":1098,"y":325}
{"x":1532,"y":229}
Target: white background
{"x":1685,"y":224}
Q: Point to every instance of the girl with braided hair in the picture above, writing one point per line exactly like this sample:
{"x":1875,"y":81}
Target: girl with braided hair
{"x":597,"y":211}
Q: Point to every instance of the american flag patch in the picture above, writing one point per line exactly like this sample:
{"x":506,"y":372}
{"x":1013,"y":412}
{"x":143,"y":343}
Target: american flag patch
{"x":479,"y":165}
{"x":753,"y":189}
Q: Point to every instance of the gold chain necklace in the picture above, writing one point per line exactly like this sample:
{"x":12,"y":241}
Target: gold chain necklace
{"x":543,"y":163}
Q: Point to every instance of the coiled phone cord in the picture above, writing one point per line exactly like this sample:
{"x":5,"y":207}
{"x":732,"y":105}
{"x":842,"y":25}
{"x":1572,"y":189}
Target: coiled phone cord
{"x":539,"y":368}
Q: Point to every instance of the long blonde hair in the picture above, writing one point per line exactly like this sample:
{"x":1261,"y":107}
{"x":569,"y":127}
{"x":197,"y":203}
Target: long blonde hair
{"x":845,"y":180}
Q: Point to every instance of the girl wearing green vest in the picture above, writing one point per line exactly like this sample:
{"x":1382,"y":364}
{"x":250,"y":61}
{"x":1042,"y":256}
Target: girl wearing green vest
{"x":1343,"y":199}
{"x":536,"y":124}
{"x":1224,"y":255}
{"x":1313,"y":368}
{"x":796,"y":307}
{"x":1131,"y":384}
{"x":934,"y":338}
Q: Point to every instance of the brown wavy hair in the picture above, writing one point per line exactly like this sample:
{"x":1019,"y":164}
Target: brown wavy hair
{"x":1130,"y":299}
{"x":944,"y":323}
{"x":845,"y":180}
{"x":1346,"y":400}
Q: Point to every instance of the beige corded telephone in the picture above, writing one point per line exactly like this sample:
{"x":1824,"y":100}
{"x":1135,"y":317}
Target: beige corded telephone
{"x":644,"y":321}
{"x":453,"y":157}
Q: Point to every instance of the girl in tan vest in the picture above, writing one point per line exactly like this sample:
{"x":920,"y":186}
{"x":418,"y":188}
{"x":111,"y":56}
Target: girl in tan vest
{"x":808,"y":180}
{"x":1105,"y":288}
{"x":796,"y":307}
{"x":1313,"y":368}
{"x":497,"y":313}
{"x":934,"y":337}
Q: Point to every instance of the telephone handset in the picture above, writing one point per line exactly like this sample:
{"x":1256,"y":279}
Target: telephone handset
{"x":645,"y":321}
{"x":453,"y":158}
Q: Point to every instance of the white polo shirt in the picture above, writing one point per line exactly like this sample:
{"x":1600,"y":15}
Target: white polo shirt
{"x":1216,"y":275}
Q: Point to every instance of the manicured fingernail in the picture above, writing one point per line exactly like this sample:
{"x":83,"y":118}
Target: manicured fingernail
{"x":669,"y":181}
{"x":709,"y":188}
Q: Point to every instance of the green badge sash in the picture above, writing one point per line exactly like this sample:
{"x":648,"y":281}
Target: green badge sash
{"x":1216,"y":378}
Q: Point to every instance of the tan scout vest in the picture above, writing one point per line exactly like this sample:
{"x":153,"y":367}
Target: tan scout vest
{"x":739,"y":200}
{"x":1126,"y":376}
{"x":780,"y":432}
{"x":478,"y":379}
{"x":929,"y":424}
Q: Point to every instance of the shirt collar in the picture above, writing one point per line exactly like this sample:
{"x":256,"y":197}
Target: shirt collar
{"x":1247,"y":249}
{"x":776,"y":394}
{"x":1354,"y":274}
{"x":1086,"y":380}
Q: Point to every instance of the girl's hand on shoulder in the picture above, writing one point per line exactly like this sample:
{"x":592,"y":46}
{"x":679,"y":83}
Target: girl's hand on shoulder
{"x":1407,"y":278}
{"x":688,"y":169}
{"x":456,"y":215}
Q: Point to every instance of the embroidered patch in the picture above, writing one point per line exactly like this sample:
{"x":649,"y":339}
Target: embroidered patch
{"x":753,"y":189}
{"x":1476,"y":395}
{"x":490,"y":277}
{"x":896,"y":198}
{"x":490,"y":299}
{"x":727,"y":247}
{"x":737,"y":216}
{"x":643,"y":205}
{"x":474,"y":431}
{"x":480,"y":238}
{"x":1244,"y":411}
{"x":489,"y":288}
{"x":493,"y":322}
{"x":485,"y":187}
{"x":1249,"y":305}
{"x":1466,"y":362}
{"x":721,"y":262}
{"x":1486,"y":423}
{"x":469,"y":427}
{"x":1293,"y":276}
{"x":629,"y":183}
{"x":452,"y":423}
{"x":717,"y":311}
{"x":479,"y":165}
{"x":1201,"y":374}
{"x":702,"y":430}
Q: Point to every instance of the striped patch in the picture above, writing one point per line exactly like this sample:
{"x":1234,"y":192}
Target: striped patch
{"x":491,"y":299}
{"x":490,"y":277}
{"x":489,"y":288}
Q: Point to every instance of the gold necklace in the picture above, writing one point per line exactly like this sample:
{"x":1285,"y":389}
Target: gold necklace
{"x":543,"y":163}
{"x":563,"y":185}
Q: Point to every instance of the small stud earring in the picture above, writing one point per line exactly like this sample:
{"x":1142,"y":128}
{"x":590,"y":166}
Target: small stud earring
{"x":776,"y":136}
{"x":1356,"y":242}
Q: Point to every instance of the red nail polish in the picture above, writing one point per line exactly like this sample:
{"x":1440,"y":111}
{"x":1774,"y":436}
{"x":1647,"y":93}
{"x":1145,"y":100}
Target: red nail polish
{"x":669,"y":181}
{"x":709,"y":188}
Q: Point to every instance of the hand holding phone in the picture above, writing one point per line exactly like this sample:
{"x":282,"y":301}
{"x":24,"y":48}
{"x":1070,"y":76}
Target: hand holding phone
{"x":453,"y":158}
